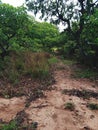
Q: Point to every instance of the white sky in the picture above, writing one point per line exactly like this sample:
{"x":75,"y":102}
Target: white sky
{"x":14,"y":2}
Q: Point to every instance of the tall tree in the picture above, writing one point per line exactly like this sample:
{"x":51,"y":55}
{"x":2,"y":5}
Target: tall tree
{"x":67,"y":12}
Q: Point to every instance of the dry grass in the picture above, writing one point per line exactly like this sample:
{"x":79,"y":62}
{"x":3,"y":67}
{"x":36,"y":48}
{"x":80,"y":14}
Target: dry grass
{"x":36,"y":64}
{"x":26,"y":63}
{"x":25,"y":72}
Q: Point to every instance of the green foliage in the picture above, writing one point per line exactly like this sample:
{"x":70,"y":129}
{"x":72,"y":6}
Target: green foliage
{"x":92,"y":106}
{"x":63,"y":38}
{"x":68,"y":62}
{"x":11,"y":126}
{"x":89,"y":42}
{"x":86,"y":49}
{"x":86,"y":73}
{"x":69,"y":48}
{"x":44,"y":34}
{"x":18,"y":31}
{"x":90,"y":31}
{"x":53,"y":60}
{"x":81,"y":34}
{"x":13,"y":28}
{"x":69,"y":106}
{"x":52,"y":10}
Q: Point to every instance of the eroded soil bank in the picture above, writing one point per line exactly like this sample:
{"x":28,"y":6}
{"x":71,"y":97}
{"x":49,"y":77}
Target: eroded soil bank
{"x":49,"y":112}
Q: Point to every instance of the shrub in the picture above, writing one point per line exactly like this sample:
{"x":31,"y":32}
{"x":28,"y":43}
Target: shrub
{"x":92,"y":106}
{"x":11,"y":126}
{"x":53,"y":60}
{"x":25,"y":63}
{"x":36,"y":64}
{"x":69,"y":48}
{"x":69,"y":106}
{"x":86,"y":73}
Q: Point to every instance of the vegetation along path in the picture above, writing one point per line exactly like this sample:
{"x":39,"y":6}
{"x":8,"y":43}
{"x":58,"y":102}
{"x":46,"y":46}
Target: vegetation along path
{"x":70,"y":105}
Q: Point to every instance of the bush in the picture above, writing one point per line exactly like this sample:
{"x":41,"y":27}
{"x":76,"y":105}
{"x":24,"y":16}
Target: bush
{"x":36,"y":64}
{"x":69,"y":106}
{"x":25,"y":63}
{"x":69,"y":48}
{"x":87,"y":54}
{"x":11,"y":126}
{"x":86,"y":73}
{"x":53,"y":60}
{"x":92,"y":106}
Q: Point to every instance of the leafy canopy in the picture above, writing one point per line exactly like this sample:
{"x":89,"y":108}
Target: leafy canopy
{"x":64,"y":11}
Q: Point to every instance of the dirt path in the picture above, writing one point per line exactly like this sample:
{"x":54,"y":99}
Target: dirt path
{"x":49,"y":112}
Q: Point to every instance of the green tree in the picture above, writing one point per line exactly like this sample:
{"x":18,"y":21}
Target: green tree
{"x":79,"y":19}
{"x":56,"y":11}
{"x":89,"y":38}
{"x":13,"y":27}
{"x":64,"y":11}
{"x":44,"y":33}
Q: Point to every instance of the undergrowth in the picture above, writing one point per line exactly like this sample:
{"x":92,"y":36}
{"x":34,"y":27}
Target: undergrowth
{"x":13,"y":126}
{"x":19,"y":64}
{"x":53,"y":60}
{"x":92,"y":106}
{"x":10,"y":126}
{"x":26,"y":73}
{"x":69,"y":62}
{"x":86,"y":73}
{"x":70,"y":106}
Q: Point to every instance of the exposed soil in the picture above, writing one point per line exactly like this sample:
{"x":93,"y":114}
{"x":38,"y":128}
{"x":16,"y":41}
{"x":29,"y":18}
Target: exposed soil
{"x":48,"y":112}
{"x":26,"y":86}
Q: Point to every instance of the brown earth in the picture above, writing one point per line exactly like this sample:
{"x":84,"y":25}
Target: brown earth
{"x":49,"y":111}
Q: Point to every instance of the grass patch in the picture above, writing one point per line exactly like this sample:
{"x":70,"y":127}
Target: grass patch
{"x":11,"y":126}
{"x":68,"y":62}
{"x":36,"y":65}
{"x":86,"y":73}
{"x":70,"y":106}
{"x":25,"y":63}
{"x":23,"y":72}
{"x":92,"y":106}
{"x":53,"y":60}
{"x":19,"y":123}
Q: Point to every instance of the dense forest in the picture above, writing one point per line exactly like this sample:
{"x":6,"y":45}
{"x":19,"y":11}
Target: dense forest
{"x":30,"y":50}
{"x":81,"y":20}
{"x":20,"y":31}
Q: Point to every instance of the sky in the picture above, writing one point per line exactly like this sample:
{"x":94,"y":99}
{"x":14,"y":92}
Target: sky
{"x":14,"y":2}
